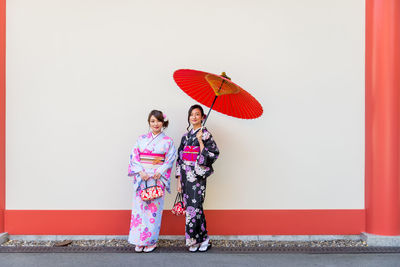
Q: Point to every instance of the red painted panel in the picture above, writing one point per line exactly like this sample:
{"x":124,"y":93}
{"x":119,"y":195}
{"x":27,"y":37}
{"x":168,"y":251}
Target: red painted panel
{"x":76,"y":222}
{"x":219,"y":222}
{"x":382,"y":117}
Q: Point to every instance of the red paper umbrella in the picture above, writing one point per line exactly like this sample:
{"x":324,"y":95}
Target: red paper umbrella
{"x":207,"y":87}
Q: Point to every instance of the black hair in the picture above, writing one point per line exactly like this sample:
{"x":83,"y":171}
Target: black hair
{"x":159,"y":116}
{"x":190,"y":112}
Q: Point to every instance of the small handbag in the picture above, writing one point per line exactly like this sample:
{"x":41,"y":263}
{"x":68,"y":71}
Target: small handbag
{"x":151,"y":192}
{"x":179,"y":207}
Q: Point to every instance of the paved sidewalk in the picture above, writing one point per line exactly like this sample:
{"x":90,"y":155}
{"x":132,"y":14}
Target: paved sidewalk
{"x":195,"y":259}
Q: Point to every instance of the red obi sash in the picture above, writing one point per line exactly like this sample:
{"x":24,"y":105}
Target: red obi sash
{"x":190,"y":153}
{"x":151,"y":160}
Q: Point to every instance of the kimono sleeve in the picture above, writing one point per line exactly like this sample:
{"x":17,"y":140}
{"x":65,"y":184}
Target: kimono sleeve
{"x":210,"y":152}
{"x":134,"y":161}
{"x":179,"y":161}
{"x":165,"y":169}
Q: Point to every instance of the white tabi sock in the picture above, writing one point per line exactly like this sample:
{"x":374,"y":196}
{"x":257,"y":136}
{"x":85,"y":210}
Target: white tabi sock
{"x":204,"y":245}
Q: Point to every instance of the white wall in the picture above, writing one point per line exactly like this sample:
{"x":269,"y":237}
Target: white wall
{"x":82,"y":76}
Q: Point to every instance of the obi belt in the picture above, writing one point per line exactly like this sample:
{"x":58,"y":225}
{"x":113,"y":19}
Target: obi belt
{"x":189,"y":155}
{"x":151,"y":160}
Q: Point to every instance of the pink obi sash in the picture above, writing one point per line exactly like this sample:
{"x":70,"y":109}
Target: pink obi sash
{"x":151,"y":160}
{"x":190,"y":153}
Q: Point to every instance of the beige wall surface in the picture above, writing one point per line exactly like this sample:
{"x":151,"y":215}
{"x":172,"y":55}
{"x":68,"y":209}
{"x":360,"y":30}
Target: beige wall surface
{"x":82,"y":76}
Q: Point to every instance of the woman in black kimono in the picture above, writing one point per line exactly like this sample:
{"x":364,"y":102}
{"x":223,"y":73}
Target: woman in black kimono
{"x":196,"y":154}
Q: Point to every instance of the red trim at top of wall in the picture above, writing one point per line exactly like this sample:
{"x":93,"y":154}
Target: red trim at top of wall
{"x":219,"y":222}
{"x":2,"y":112}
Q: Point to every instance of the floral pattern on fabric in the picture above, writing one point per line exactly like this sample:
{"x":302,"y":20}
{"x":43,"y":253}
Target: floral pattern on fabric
{"x":145,"y":221}
{"x":193,"y":181}
{"x":146,"y":215}
{"x":161,"y":144}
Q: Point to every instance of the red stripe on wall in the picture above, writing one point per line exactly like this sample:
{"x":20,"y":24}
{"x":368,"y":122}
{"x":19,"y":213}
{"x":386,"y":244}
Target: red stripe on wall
{"x":219,"y":222}
{"x":2,"y":112}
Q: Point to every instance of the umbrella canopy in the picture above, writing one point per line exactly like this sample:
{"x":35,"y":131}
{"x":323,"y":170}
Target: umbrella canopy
{"x":206,"y":87}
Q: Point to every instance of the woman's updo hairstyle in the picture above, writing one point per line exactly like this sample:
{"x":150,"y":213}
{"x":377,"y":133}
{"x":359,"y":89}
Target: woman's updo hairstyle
{"x":159,"y":116}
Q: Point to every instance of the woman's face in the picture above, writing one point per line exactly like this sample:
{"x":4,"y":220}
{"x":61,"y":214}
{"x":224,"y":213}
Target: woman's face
{"x":155,"y":125}
{"x":195,"y":117}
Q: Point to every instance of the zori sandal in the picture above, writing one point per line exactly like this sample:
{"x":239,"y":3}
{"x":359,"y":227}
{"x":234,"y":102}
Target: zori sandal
{"x":138,"y":249}
{"x":194,"y":248}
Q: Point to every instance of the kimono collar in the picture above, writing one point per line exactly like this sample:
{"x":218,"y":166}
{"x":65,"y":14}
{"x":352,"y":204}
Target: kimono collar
{"x":195,"y":131}
{"x":152,"y":136}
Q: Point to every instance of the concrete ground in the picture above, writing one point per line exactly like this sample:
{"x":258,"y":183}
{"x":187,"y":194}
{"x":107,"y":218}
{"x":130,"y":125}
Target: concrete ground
{"x":195,"y":259}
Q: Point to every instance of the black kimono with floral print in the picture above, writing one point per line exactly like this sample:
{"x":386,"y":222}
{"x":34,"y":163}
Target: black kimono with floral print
{"x":193,"y":181}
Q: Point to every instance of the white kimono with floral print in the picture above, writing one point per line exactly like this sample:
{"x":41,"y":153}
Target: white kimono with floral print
{"x":146,"y":215}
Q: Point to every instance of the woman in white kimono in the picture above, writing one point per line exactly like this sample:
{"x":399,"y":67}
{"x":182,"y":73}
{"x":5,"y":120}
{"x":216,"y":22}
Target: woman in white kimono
{"x":150,"y":162}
